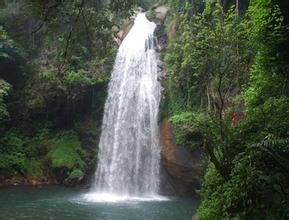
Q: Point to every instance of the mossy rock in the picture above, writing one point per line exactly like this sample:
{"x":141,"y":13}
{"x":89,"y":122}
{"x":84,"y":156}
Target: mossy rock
{"x":67,"y":152}
{"x":75,"y":177}
{"x":66,"y":155}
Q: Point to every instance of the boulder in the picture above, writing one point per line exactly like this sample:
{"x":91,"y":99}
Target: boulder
{"x":161,"y":12}
{"x":120,"y":33}
{"x":75,"y":177}
{"x":115,"y":29}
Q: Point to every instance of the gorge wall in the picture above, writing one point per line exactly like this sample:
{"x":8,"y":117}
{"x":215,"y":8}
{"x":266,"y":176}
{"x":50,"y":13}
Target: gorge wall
{"x":181,"y":168}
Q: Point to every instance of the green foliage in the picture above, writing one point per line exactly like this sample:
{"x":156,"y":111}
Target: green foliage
{"x":180,"y":6}
{"x":11,"y":61}
{"x":34,"y":168}
{"x":269,"y":118}
{"x":8,"y":48}
{"x":224,"y":197}
{"x":57,"y":56}
{"x":269,"y":74}
{"x":151,"y":15}
{"x":207,"y":64}
{"x":76,"y":173}
{"x":4,"y":91}
{"x":185,"y":130}
{"x":12,"y":155}
{"x":21,"y":155}
{"x":70,"y":53}
{"x":12,"y":164}
{"x":66,"y":152}
{"x":256,"y":189}
{"x":75,"y":60}
{"x":59,"y":154}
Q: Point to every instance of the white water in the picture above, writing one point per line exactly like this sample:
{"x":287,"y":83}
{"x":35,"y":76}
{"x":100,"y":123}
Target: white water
{"x":129,"y":157}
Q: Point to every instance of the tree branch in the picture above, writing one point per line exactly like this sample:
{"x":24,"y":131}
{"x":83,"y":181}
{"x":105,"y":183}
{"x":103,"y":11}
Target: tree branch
{"x":47,"y":15}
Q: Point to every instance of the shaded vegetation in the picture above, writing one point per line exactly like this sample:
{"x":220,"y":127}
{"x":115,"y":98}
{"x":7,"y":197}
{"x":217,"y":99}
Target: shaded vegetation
{"x":227,"y":81}
{"x":55,"y":63}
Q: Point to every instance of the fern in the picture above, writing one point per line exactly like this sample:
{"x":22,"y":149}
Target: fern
{"x":277,"y":148}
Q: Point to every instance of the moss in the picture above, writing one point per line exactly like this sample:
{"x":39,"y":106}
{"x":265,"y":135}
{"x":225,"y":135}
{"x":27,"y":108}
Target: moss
{"x":76,"y":173}
{"x":46,"y":154}
{"x":66,"y":152}
{"x":74,"y":178}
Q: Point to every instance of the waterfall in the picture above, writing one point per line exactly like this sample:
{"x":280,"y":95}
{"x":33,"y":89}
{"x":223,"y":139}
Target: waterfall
{"x":129,"y":148}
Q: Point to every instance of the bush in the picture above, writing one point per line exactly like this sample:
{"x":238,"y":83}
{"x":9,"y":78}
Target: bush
{"x":4,"y":91}
{"x":185,"y":130}
{"x":66,"y":152}
{"x":34,"y":167}
{"x":12,"y":156}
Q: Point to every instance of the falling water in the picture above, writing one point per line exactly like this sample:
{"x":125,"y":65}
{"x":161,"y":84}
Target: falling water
{"x":129,"y":146}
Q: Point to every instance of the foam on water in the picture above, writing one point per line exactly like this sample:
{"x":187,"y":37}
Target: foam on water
{"x":114,"y":198}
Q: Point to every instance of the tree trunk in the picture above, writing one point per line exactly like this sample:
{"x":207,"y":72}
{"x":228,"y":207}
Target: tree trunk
{"x":223,"y":170}
{"x":237,"y":7}
{"x":208,"y":97}
{"x":224,"y":4}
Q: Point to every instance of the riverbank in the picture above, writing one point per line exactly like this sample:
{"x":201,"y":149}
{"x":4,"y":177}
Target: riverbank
{"x":26,"y":181}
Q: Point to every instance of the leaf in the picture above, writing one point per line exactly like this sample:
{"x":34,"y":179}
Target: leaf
{"x":277,"y":187}
{"x":4,"y":55}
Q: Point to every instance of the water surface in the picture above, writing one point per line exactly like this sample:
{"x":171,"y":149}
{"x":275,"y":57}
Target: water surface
{"x":59,"y":203}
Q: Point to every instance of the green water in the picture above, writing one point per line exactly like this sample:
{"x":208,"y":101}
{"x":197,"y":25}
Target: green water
{"x":59,"y":203}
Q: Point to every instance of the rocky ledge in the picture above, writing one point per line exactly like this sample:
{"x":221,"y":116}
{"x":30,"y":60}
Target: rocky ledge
{"x":25,"y":181}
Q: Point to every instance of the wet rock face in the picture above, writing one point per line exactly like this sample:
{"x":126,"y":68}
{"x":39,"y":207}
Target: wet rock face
{"x":122,"y":26}
{"x":181,"y":169}
{"x":162,"y":38}
{"x":158,"y":14}
{"x":119,"y":33}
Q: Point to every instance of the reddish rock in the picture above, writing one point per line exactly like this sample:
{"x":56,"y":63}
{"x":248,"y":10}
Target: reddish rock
{"x":183,"y":169}
{"x":24,"y":180}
